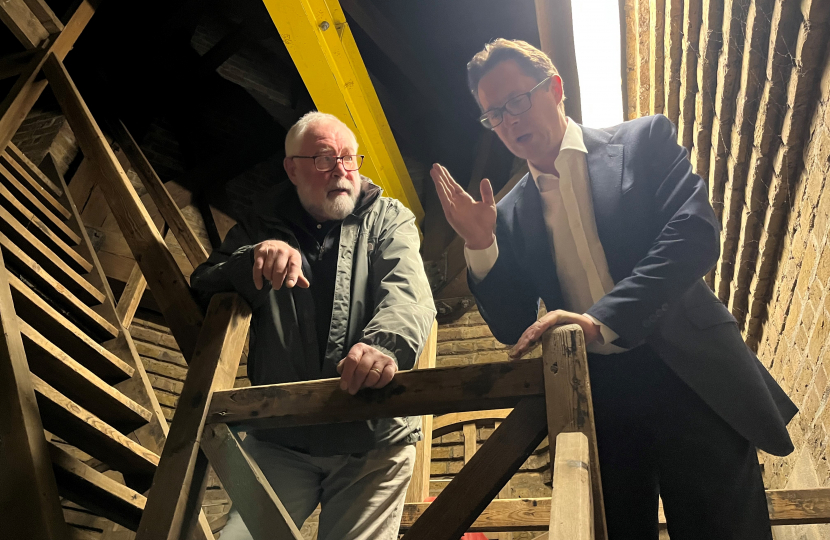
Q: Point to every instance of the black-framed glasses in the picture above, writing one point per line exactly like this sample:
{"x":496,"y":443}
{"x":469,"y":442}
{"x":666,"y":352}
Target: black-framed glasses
{"x":329,"y":163}
{"x":515,"y":106}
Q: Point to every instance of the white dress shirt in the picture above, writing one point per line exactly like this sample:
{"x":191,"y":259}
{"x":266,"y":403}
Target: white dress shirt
{"x":568,"y":208}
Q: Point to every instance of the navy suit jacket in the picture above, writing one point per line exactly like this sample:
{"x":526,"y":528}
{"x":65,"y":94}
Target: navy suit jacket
{"x":660,"y":236}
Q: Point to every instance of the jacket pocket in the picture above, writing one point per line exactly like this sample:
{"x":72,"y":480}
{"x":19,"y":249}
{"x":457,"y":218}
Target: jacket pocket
{"x":709,"y":314}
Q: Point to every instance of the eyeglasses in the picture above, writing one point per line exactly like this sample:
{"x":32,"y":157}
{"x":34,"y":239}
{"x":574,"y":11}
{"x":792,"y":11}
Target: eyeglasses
{"x":516,"y":105}
{"x":329,"y":163}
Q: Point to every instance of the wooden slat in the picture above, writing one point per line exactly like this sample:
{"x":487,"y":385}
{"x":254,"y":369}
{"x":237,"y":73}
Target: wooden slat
{"x":786,"y":507}
{"x":160,"y":269}
{"x":180,"y":483}
{"x":37,"y":181}
{"x":131,"y":297}
{"x":569,"y":402}
{"x":27,"y":489}
{"x":25,"y":26}
{"x":264,"y":515}
{"x":571,"y":516}
{"x":411,"y":393}
{"x":674,"y":53}
{"x":27,"y":89}
{"x":470,"y":443}
{"x":656,"y":56}
{"x":45,"y":15}
{"x":554,"y":21}
{"x":12,"y":65}
{"x":688,"y":73}
{"x":629,"y":57}
{"x":96,"y":492}
{"x":448,"y":423}
{"x":59,"y":330}
{"x":80,"y":385}
{"x":474,"y":487}
{"x":418,"y":489}
{"x":45,"y":257}
{"x":34,"y":273}
{"x":87,"y":432}
{"x":11,"y":175}
{"x":169,"y":210}
{"x":643,"y":53}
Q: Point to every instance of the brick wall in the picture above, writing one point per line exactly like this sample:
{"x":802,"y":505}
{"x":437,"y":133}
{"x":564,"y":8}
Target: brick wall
{"x":47,"y":131}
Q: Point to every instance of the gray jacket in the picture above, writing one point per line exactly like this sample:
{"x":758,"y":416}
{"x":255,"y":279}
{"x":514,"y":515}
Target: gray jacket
{"x":381,"y":298}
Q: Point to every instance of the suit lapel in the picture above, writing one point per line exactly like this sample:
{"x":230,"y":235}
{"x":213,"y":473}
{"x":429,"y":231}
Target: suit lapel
{"x":605,"y":173}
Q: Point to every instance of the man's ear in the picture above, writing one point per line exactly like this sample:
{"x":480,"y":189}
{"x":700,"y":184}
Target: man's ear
{"x":556,"y":87}
{"x":290,"y":166}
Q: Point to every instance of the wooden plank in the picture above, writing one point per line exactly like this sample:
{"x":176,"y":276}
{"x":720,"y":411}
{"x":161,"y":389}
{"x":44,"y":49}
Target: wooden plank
{"x":470,"y":444}
{"x":569,"y":403}
{"x":55,"y":266}
{"x":22,"y":97}
{"x":673,"y":40}
{"x":418,"y":489}
{"x":25,"y":26}
{"x":73,"y":380}
{"x":163,"y":274}
{"x":474,"y":487}
{"x":656,"y":56}
{"x":87,"y":432}
{"x":643,"y":64}
{"x":28,"y":489}
{"x":12,"y":65}
{"x":45,"y":15}
{"x":59,"y":330}
{"x":261,"y":510}
{"x":454,"y":421}
{"x":169,"y":210}
{"x":180,"y":483}
{"x":556,"y":35}
{"x":12,"y":172}
{"x":629,"y":57}
{"x":41,"y":184}
{"x":94,"y":491}
{"x":411,"y":393}
{"x":688,"y":73}
{"x":24,"y":265}
{"x":131,"y":297}
{"x":571,"y":516}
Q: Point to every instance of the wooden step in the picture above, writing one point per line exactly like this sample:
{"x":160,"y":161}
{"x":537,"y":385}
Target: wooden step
{"x":80,"y":385}
{"x":32,"y":203}
{"x":54,"y":265}
{"x":59,"y":330}
{"x":96,"y":492}
{"x":23,"y":266}
{"x":41,"y":231}
{"x":82,"y":429}
{"x":40,"y":184}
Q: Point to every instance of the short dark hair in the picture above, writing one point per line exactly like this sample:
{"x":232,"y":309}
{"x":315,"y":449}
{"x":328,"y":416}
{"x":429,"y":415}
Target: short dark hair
{"x":531,"y":60}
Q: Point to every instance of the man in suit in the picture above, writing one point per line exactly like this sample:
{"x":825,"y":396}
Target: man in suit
{"x":614,"y":232}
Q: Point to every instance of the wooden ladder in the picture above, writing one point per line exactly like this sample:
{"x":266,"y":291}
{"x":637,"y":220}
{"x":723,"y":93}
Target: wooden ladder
{"x":75,"y":399}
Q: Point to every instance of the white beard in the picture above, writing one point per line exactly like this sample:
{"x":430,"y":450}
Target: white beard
{"x":331,"y":209}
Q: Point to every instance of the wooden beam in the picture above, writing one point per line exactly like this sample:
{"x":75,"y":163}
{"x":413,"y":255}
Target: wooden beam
{"x":193,"y":249}
{"x":131,"y":297}
{"x":656,"y":56}
{"x":688,"y":73}
{"x":628,"y":57}
{"x":28,"y":489}
{"x":253,"y":497}
{"x":786,"y":507}
{"x":411,"y":393}
{"x":45,"y":15}
{"x":643,"y":53}
{"x":474,"y":487}
{"x":178,"y":487}
{"x":36,"y":179}
{"x":163,"y":274}
{"x":556,"y":34}
{"x":570,"y":404}
{"x":470,"y":444}
{"x":418,"y":489}
{"x":12,"y":65}
{"x":447,"y":423}
{"x":572,"y":510}
{"x":673,"y":40}
{"x":25,"y":26}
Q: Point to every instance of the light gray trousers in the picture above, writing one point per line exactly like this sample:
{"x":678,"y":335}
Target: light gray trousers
{"x":361,"y":498}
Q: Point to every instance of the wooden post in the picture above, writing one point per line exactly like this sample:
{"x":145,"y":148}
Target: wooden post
{"x":418,"y":489}
{"x":175,"y":498}
{"x":28,"y":491}
{"x":569,"y":404}
{"x":571,"y":511}
{"x":131,"y":297}
{"x":163,"y":274}
{"x":556,"y":33}
{"x":264,"y":515}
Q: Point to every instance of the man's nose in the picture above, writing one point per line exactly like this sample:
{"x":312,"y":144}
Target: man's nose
{"x":339,"y":170}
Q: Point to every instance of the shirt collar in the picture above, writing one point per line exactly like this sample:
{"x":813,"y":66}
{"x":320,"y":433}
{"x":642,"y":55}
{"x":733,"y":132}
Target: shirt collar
{"x":571,"y":141}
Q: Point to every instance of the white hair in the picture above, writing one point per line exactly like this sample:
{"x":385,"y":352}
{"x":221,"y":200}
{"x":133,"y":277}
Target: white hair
{"x":294,"y":138}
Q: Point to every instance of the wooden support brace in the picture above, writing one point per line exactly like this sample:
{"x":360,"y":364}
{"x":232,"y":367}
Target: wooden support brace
{"x":131,"y":297}
{"x":163,"y":274}
{"x":179,"y":484}
{"x":264,"y":515}
{"x":571,"y":515}
{"x":418,"y":489}
{"x":569,"y":403}
{"x":25,"y":26}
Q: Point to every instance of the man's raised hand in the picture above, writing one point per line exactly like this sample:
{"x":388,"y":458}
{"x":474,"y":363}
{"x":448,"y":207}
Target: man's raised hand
{"x":279,"y":263}
{"x":473,"y":221}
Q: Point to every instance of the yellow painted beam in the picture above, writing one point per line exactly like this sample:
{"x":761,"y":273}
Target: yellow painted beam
{"x":320,"y":42}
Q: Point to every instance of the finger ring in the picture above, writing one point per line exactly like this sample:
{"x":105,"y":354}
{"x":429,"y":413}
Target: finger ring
{"x":376,"y":370}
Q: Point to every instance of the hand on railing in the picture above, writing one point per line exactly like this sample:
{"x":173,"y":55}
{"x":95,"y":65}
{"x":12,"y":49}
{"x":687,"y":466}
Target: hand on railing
{"x":534,"y":333}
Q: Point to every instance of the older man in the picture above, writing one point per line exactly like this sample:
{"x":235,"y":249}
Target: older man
{"x":614,"y":231}
{"x":332,"y":272}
